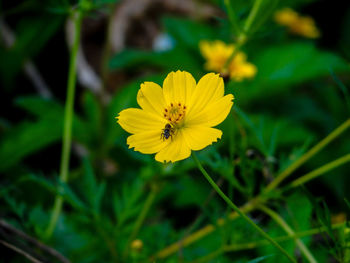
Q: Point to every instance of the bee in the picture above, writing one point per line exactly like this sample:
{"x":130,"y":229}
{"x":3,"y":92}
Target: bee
{"x":167,"y":132}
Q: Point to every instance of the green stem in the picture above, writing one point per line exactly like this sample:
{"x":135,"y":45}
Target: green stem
{"x":67,"y":125}
{"x":240,"y":42}
{"x":279,"y":220}
{"x":142,"y":216}
{"x":242,"y":37}
{"x":320,"y":171}
{"x":235,"y":208}
{"x":260,"y":243}
{"x":251,"y":245}
{"x":314,"y":150}
{"x":210,"y":256}
{"x":251,"y":17}
{"x":232,"y":17}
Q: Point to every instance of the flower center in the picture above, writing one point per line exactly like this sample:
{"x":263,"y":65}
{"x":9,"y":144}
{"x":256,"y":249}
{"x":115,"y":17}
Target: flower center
{"x":175,"y":112}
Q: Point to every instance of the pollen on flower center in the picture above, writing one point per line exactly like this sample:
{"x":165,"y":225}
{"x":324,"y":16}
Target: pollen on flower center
{"x":175,"y":112}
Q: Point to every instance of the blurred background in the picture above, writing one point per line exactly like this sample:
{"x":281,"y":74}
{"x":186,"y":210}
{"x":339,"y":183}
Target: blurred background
{"x":298,"y":96}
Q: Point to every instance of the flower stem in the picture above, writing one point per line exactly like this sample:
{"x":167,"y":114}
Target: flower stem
{"x":142,"y":216}
{"x":235,"y":208}
{"x":232,"y":16}
{"x":318,"y":147}
{"x":260,"y":243}
{"x":320,"y":171}
{"x":67,"y":125}
{"x":242,"y":37}
{"x":251,"y":245}
{"x":279,"y":220}
{"x":252,"y":15}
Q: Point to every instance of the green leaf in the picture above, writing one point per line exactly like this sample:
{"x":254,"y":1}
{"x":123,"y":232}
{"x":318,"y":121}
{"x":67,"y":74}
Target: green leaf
{"x":177,"y":58}
{"x":56,"y":187}
{"x":127,"y":202}
{"x":188,"y":192}
{"x":93,"y":192}
{"x":286,"y":66}
{"x":26,"y":139}
{"x":298,"y":216}
{"x":187,"y":31}
{"x":32,"y":34}
{"x":29,"y":137}
{"x":271,"y":133}
{"x":259,"y":259}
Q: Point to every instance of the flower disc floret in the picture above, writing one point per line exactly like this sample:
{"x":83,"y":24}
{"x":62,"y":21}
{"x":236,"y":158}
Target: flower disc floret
{"x":178,"y":117}
{"x":175,"y":113}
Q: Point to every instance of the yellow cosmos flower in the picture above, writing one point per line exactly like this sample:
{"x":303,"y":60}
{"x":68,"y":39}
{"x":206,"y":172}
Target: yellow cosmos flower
{"x":177,"y":118}
{"x":217,"y":53}
{"x":297,"y":24}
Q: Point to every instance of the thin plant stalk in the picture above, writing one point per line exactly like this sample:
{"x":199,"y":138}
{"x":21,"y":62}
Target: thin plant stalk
{"x":279,"y":220}
{"x":68,"y":121}
{"x":255,"y":244}
{"x":236,"y":209}
{"x":320,"y":171}
{"x":242,"y":37}
{"x":264,"y":242}
{"x":141,"y":217}
{"x":305,"y":157}
{"x":252,"y":15}
{"x":232,"y":17}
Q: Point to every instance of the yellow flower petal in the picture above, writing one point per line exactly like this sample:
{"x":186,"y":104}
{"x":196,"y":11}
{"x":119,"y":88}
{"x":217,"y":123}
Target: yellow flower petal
{"x":150,"y":98}
{"x":216,"y":54}
{"x":178,"y":87}
{"x":199,"y":137}
{"x":242,"y":71}
{"x":176,"y":150}
{"x":296,"y":23}
{"x":137,"y":121}
{"x":147,"y":142}
{"x":212,"y":115}
{"x":209,"y":89}
{"x":205,"y":48}
{"x":286,"y":16}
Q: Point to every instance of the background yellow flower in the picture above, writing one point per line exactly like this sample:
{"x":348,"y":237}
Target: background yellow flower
{"x":217,"y":54}
{"x":297,"y":24}
{"x":189,"y":110}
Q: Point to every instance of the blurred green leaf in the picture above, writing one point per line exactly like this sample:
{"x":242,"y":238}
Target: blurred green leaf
{"x":188,"y":192}
{"x":175,"y":59}
{"x":297,"y":214}
{"x":127,"y":202}
{"x":31,"y":34}
{"x":259,"y":259}
{"x":281,"y":68}
{"x":93,"y":191}
{"x":56,"y":187}
{"x":188,"y":31}
{"x":29,"y":137}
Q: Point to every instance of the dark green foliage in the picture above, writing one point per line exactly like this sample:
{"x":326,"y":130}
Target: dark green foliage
{"x":299,"y":95}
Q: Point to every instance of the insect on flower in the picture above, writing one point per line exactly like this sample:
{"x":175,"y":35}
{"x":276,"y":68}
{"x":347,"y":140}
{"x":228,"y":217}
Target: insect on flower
{"x":182,"y":110}
{"x":167,"y":132}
